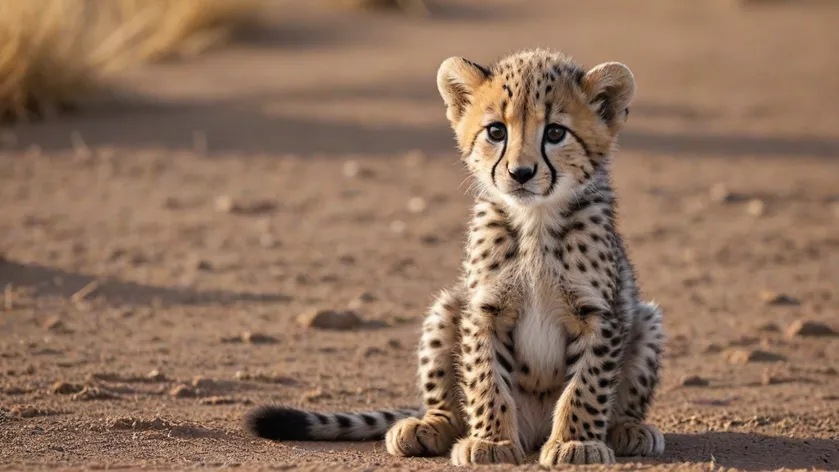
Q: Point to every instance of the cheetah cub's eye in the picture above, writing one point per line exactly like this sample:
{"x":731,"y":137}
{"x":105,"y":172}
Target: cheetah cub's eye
{"x":496,"y":132}
{"x":554,"y":134}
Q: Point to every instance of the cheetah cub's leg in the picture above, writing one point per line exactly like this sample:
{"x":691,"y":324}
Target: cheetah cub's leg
{"x":578,"y":434}
{"x":636,"y":386}
{"x":435,"y":433}
{"x":486,"y":371}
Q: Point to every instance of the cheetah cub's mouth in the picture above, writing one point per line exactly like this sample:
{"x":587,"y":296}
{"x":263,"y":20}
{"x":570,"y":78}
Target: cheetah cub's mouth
{"x":535,"y":131}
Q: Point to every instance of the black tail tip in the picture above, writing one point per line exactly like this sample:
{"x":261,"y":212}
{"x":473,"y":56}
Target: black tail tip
{"x":278,"y":423}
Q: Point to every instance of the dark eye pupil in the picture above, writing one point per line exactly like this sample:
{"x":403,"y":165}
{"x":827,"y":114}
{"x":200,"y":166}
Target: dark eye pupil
{"x":555,"y":133}
{"x":496,"y":132}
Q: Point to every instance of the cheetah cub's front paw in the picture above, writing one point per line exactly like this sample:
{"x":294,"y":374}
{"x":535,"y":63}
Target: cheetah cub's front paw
{"x":636,"y":439}
{"x":432,"y":435}
{"x":575,"y":452}
{"x":477,"y":451}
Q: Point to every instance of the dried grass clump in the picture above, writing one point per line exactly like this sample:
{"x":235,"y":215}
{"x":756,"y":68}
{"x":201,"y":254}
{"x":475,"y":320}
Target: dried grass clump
{"x":163,"y":29}
{"x":45,"y":60}
{"x":56,"y":53}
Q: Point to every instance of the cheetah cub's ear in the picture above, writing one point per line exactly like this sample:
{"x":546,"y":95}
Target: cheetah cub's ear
{"x":610,"y":87}
{"x":457,"y":81}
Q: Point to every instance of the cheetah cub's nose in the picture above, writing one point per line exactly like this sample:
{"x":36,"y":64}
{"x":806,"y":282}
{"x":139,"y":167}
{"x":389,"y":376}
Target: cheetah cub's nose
{"x":522,"y":174}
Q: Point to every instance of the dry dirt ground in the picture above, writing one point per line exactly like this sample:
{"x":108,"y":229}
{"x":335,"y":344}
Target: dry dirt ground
{"x":159,"y":246}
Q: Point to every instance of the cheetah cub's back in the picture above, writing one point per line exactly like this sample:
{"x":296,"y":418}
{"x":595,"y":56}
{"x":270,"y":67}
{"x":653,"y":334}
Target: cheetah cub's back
{"x":544,"y":343}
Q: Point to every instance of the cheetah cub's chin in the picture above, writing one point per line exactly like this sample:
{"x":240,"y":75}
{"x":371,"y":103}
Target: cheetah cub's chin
{"x":544,"y":344}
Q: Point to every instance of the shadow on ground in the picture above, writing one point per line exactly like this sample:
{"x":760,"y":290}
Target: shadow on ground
{"x":723,"y":449}
{"x":52,"y":282}
{"x":244,"y":127}
{"x":751,"y":451}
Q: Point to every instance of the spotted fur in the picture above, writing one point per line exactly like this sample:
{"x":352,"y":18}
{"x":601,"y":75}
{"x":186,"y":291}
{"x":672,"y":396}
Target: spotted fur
{"x":544,"y":344}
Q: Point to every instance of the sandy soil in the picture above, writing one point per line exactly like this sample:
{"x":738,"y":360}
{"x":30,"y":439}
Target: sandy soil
{"x":158,"y":247}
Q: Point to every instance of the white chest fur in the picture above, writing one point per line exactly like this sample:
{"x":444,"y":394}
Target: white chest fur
{"x":540,"y":340}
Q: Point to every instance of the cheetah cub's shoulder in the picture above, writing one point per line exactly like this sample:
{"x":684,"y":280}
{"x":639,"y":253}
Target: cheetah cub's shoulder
{"x":544,"y":344}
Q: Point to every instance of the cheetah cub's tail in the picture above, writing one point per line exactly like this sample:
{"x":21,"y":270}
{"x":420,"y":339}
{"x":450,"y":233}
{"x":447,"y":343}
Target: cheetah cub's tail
{"x":280,"y":423}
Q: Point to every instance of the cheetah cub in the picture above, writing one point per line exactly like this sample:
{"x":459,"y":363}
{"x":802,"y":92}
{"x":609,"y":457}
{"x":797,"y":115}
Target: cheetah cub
{"x":544,"y":344}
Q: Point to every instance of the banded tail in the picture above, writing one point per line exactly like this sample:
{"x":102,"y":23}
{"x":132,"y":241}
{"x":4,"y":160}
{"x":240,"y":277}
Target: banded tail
{"x":280,"y":423}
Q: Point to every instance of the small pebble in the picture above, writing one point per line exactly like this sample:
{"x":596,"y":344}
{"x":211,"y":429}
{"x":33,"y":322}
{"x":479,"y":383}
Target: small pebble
{"x":217,"y":400}
{"x":330,"y":320}
{"x":92,"y":393}
{"x":810,"y":328}
{"x":694,"y":381}
{"x":719,"y":193}
{"x":372,"y":351}
{"x":65,"y":388}
{"x":316,"y":395}
{"x":182,"y":391}
{"x":156,"y":376}
{"x":778,"y":299}
{"x":198,"y":263}
{"x":769,"y":328}
{"x":257,"y":338}
{"x":746,"y":356}
{"x":768,"y":379}
{"x":202,"y":382}
{"x":398,"y":227}
{"x":225,"y":204}
{"x":756,"y":207}
{"x":417,"y":205}
{"x":54,"y":323}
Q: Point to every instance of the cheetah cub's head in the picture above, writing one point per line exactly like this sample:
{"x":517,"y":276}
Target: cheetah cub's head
{"x":534,"y":127}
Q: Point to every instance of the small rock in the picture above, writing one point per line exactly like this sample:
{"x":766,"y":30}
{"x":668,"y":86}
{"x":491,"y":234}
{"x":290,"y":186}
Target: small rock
{"x":225,"y":204}
{"x":768,"y":379}
{"x":257,"y":338}
{"x":54,"y":323}
{"x":810,"y":328}
{"x":417,"y":205}
{"x":265,"y":378}
{"x":93,"y":393}
{"x":719,"y":193}
{"x":743,"y":341}
{"x":353,"y":169}
{"x":745,"y":356}
{"x":372,"y":351}
{"x":65,"y":388}
{"x":203,"y":383}
{"x":756,"y":207}
{"x":430,"y":239}
{"x":156,"y":376}
{"x":182,"y":391}
{"x":778,"y":299}
{"x":712,"y":348}
{"x":366,"y":297}
{"x":769,"y":328}
{"x":217,"y":400}
{"x":694,"y":381}
{"x":394,"y":344}
{"x":360,"y":300}
{"x":198,"y":263}
{"x":316,"y":395}
{"x":27,"y":411}
{"x":398,"y":227}
{"x":330,"y":319}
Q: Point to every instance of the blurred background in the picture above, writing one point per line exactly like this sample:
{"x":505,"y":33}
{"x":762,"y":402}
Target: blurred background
{"x":211,"y":204}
